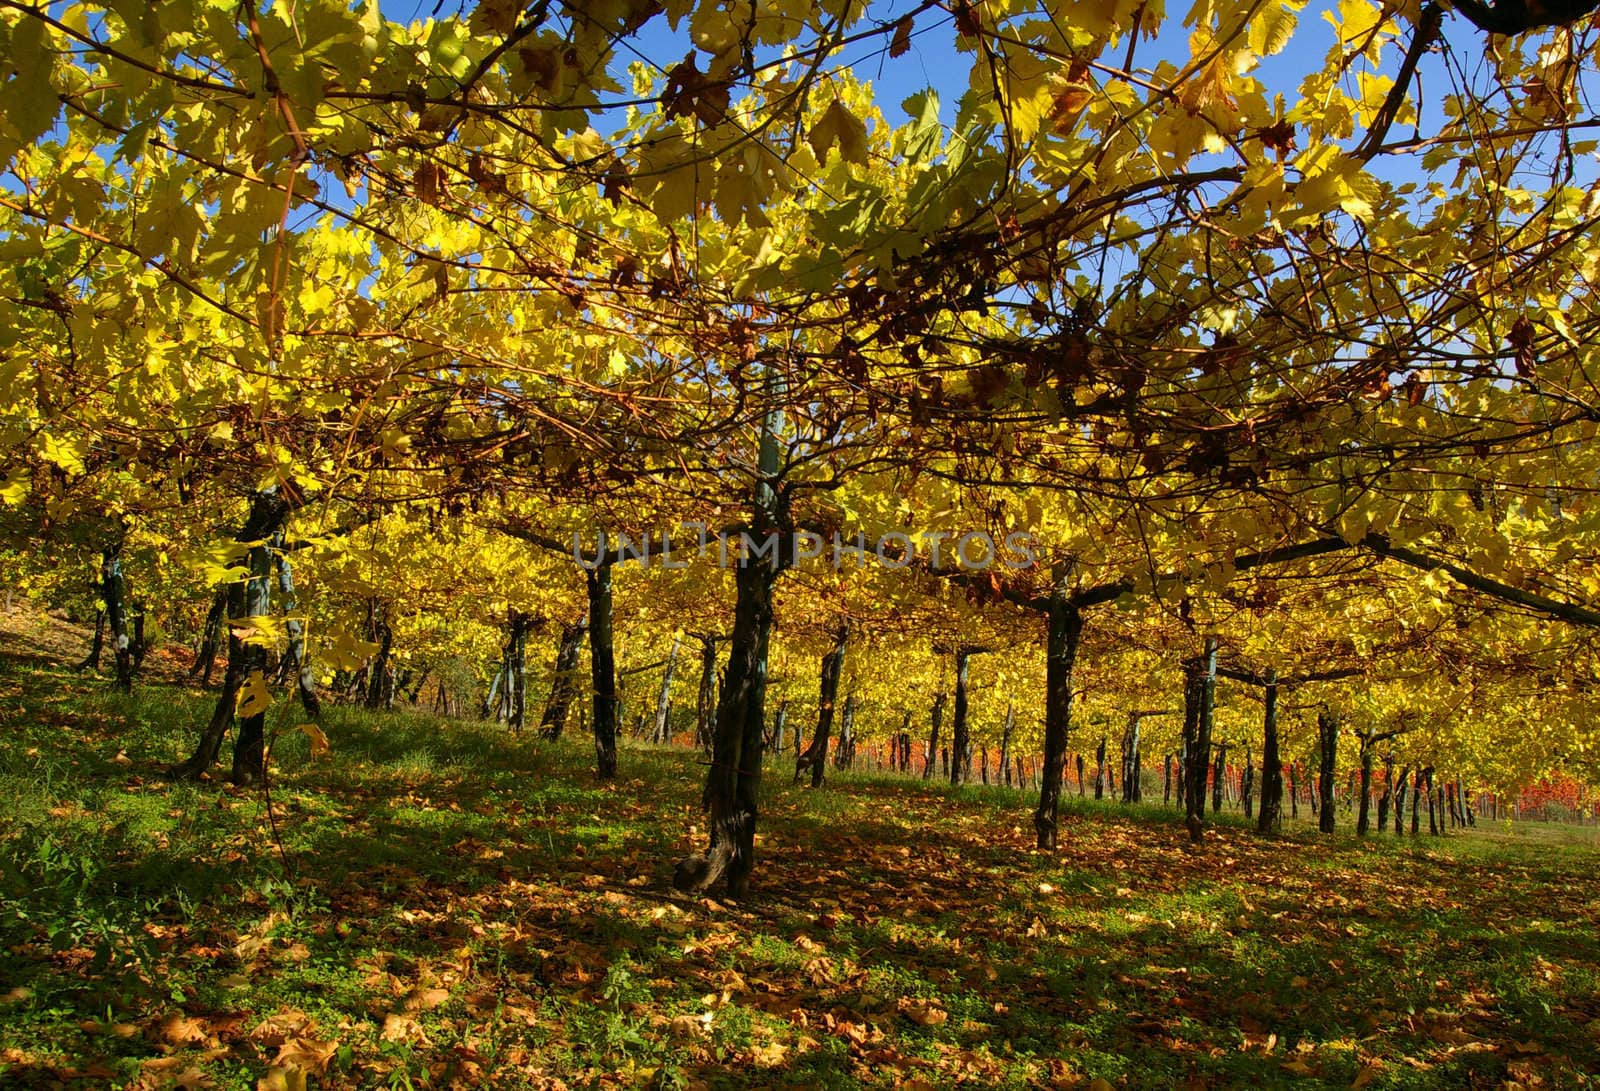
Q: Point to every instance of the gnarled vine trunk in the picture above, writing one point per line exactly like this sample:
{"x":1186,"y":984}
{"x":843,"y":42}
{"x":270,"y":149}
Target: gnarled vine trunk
{"x":563,"y":686}
{"x":1327,"y":753}
{"x":815,"y":757}
{"x":1363,"y":804}
{"x":247,"y":597}
{"x":1271,"y":815}
{"x":933,"y":735}
{"x":659,"y":732}
{"x":295,"y":657}
{"x":734,"y":778}
{"x":602,"y":671}
{"x":205,"y":657}
{"x":960,"y":745}
{"x":705,"y":701}
{"x":1199,"y":698}
{"x":1061,"y":653}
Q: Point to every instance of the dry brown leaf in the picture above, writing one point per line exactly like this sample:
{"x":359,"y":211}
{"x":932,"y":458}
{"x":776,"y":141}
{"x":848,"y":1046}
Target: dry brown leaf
{"x":692,"y":1026}
{"x":923,"y":1012}
{"x":282,"y":1079}
{"x":426,"y":999}
{"x":306,"y":1054}
{"x":178,"y":1029}
{"x":769,"y":1056}
{"x":276,"y":1029}
{"x":400,"y":1028}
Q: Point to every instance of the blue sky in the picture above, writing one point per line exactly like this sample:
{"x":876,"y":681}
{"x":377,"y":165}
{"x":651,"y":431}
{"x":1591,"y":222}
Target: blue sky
{"x":934,"y":61}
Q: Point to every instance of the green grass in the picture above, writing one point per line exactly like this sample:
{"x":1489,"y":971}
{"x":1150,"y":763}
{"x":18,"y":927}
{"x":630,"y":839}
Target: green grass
{"x":453,"y":904}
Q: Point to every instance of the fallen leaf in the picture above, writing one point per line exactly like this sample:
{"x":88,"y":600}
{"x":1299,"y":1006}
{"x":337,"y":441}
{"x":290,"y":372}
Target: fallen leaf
{"x":319,"y":741}
{"x":426,"y":999}
{"x":692,"y":1026}
{"x":282,"y":1079}
{"x":923,"y":1012}
{"x":400,"y":1028}
{"x":306,"y":1054}
{"x":178,"y":1029}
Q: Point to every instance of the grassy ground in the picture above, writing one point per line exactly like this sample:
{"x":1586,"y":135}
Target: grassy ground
{"x":454,"y":907}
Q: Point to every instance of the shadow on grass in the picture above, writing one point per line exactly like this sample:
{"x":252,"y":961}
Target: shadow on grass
{"x":900,"y":930}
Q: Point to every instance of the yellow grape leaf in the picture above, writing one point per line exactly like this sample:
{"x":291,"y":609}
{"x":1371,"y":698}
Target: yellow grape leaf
{"x":1271,"y":30}
{"x":262,"y":630}
{"x":14,"y":489}
{"x":343,"y":651}
{"x":254,"y":698}
{"x":676,"y":195}
{"x":1356,"y":19}
{"x":839,"y":126}
{"x":319,"y":741}
{"x":66,"y":452}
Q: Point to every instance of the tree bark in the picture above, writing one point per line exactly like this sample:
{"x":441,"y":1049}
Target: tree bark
{"x":1271,"y":816}
{"x":844,"y":751}
{"x":1364,"y":802}
{"x":1199,"y":701}
{"x":517,"y":670}
{"x":933,"y":735}
{"x":960,"y":745}
{"x":1386,"y":800}
{"x":1132,"y":790}
{"x":705,"y":702}
{"x":1100,"y":768}
{"x":815,"y":758}
{"x":734,"y":777}
{"x":1328,"y":752}
{"x":602,"y":671}
{"x":248,"y":597}
{"x":305,"y":680}
{"x":779,"y":725}
{"x":564,"y":685}
{"x":210,"y":635}
{"x":1219,"y":777}
{"x":113,"y":593}
{"x":1004,"y":766}
{"x":660,"y":732}
{"x":91,"y":662}
{"x":493,"y":702}
{"x":1061,"y":653}
{"x":1247,"y":783}
{"x":378,"y":679}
